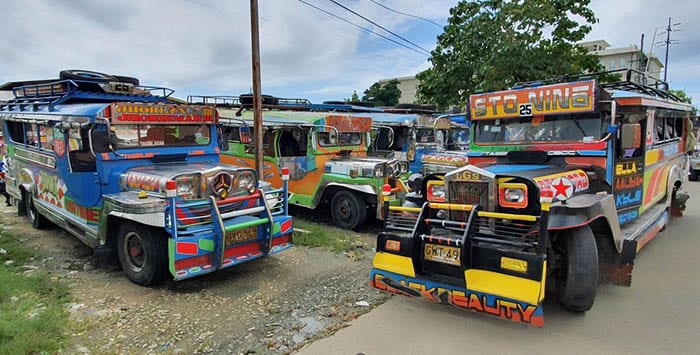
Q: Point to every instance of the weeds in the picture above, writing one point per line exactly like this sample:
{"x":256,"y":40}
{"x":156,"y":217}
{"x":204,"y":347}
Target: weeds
{"x":33,"y":315}
{"x":325,"y":236}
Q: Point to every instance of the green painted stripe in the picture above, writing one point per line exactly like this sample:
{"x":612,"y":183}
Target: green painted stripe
{"x":245,"y":225}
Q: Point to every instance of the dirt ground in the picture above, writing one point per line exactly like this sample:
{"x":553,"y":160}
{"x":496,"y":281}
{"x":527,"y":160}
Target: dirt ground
{"x":273,"y":305}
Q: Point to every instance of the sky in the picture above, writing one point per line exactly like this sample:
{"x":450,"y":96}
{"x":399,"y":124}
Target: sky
{"x":312,"y":49}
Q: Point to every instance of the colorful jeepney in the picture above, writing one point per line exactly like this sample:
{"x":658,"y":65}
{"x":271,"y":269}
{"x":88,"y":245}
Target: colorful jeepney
{"x":430,"y":144}
{"x":326,"y":154}
{"x":135,"y":176}
{"x":565,"y":183}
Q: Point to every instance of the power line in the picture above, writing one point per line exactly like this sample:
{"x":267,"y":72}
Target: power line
{"x":409,"y":15}
{"x":380,"y":26}
{"x":362,"y":28}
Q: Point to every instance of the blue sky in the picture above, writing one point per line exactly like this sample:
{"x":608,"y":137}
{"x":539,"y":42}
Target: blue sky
{"x":202,"y":47}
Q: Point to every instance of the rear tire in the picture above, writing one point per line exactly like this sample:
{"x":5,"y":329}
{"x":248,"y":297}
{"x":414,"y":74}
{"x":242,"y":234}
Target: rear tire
{"x":143,"y":253}
{"x":87,"y":75}
{"x":577,"y":273}
{"x":35,"y":218}
{"x":348,"y":209}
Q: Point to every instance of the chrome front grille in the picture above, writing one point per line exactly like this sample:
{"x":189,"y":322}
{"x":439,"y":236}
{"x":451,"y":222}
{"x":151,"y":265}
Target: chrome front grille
{"x":471,"y":192}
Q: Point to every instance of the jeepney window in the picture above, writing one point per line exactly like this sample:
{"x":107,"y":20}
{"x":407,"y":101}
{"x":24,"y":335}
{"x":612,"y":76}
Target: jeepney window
{"x":668,"y":125}
{"x":459,"y":139}
{"x":16,"y":131}
{"x":31,"y":131}
{"x":46,"y":135}
{"x":79,"y":155}
{"x":425,"y":135}
{"x":147,"y":135}
{"x":344,"y":138}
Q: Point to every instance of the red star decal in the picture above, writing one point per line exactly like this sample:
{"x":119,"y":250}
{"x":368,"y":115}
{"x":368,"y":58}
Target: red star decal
{"x":561,"y":188}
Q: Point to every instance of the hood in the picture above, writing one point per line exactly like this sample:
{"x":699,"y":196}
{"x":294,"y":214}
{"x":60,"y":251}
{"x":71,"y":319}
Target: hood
{"x":194,"y":180}
{"x":366,"y":166}
{"x":445,"y":158}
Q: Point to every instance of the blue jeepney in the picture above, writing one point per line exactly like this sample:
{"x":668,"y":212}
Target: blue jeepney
{"x":137,"y":176}
{"x":431,"y":144}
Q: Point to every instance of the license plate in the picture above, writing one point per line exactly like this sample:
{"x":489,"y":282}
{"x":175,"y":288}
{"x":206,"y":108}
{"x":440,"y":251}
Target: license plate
{"x":242,"y":235}
{"x":442,"y":254}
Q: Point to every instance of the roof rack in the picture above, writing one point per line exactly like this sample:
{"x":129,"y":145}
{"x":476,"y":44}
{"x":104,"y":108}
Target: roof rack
{"x":275,"y":103}
{"x":33,"y":96}
{"x":630,"y":80}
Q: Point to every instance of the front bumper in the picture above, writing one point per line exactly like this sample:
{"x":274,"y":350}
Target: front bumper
{"x":491,"y":263}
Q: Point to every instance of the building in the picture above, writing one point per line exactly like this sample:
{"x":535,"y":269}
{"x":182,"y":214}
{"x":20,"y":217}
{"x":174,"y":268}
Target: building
{"x":408,"y":85}
{"x":630,"y":57}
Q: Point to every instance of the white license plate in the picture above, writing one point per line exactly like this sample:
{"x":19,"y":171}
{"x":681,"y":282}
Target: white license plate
{"x":442,"y":254}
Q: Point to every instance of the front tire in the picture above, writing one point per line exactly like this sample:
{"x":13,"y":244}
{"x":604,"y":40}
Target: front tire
{"x":35,"y":218}
{"x":143,"y":253}
{"x":348,"y":209}
{"x":577,"y":274}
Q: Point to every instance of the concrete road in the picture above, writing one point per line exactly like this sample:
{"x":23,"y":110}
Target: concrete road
{"x":659,"y":314}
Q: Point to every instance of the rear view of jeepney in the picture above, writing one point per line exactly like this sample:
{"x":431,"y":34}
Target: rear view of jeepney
{"x":137,"y":177}
{"x":556,"y":198}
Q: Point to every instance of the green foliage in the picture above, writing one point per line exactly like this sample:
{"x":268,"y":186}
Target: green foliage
{"x":32,"y":306}
{"x":323,"y":236}
{"x":387,"y":95}
{"x":354,"y":97}
{"x":491,"y":45}
{"x":681,"y":94}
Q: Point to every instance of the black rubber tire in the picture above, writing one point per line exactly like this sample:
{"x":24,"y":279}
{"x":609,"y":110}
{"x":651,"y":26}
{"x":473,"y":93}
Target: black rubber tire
{"x":143,"y":253}
{"x":127,"y":79}
{"x":348,"y":209}
{"x":35,"y":218}
{"x":577,"y":273}
{"x":77,"y":74}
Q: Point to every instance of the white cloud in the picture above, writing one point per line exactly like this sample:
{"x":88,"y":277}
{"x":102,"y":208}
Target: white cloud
{"x":203,"y":46}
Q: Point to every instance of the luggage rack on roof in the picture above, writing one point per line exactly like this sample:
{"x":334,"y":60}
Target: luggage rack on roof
{"x":270,"y":102}
{"x":52,"y":93}
{"x":632,"y":80}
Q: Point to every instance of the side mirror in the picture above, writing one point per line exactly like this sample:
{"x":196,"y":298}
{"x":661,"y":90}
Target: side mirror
{"x":223,"y":142}
{"x":631,"y":136}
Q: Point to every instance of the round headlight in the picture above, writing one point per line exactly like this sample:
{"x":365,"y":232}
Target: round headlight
{"x":244,"y":181}
{"x":184,"y":187}
{"x":379,"y":170}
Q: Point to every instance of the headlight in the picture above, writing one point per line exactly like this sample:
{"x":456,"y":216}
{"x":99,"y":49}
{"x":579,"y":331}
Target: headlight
{"x":436,"y":191}
{"x":187,"y":186}
{"x":244,"y":180}
{"x":403,"y":167}
{"x":368,"y":172}
{"x":512,"y":195}
{"x":379,"y":170}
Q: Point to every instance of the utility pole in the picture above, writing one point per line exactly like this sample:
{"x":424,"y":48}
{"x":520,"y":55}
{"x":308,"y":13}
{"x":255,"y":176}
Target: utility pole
{"x":257,"y":98}
{"x":668,"y":43}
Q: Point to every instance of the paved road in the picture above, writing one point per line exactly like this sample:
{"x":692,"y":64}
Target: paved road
{"x":659,"y":314}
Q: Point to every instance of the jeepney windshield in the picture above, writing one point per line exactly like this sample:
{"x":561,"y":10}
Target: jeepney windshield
{"x":147,"y":135}
{"x":425,"y":135}
{"x":458,"y":139}
{"x":559,"y":128}
{"x":343,"y":138}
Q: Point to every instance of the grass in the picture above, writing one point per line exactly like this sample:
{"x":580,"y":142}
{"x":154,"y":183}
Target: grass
{"x":33,"y":316}
{"x":325,"y":236}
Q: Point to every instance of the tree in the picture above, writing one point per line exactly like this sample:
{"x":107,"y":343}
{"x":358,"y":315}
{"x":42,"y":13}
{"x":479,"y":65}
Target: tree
{"x":681,"y":94}
{"x":492,"y":44}
{"x":387,"y":95}
{"x":354,"y":97}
